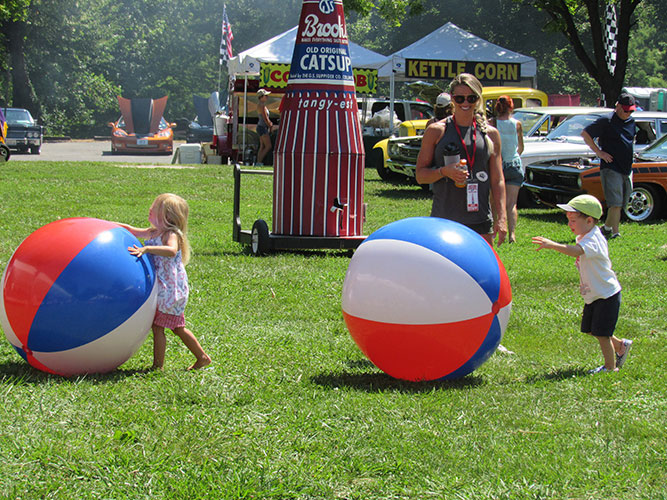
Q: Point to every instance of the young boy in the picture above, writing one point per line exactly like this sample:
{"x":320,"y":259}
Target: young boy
{"x":598,"y":284}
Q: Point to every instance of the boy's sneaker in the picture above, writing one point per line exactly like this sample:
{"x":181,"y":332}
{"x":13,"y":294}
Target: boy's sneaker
{"x":599,"y":369}
{"x":620,"y":358}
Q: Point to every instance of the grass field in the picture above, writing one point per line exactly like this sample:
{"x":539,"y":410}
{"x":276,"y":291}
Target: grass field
{"x":291,"y":409}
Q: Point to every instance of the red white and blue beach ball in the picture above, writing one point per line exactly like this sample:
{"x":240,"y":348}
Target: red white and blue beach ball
{"x":426,"y":298}
{"x":74,"y":300}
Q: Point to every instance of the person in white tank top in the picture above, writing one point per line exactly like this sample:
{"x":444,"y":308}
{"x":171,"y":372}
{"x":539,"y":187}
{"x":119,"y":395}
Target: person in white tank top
{"x":511,"y":136}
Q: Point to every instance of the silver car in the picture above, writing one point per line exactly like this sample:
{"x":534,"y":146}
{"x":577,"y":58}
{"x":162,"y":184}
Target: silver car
{"x":539,"y":121}
{"x":565,"y":141}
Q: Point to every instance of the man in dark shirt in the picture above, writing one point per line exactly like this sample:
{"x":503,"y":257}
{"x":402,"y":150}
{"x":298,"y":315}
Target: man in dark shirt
{"x":615,"y":136}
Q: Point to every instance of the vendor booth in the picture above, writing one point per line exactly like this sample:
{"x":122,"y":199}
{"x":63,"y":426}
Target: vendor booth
{"x":450,"y":50}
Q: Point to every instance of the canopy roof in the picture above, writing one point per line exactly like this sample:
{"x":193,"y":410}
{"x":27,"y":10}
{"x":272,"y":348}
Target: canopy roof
{"x":451,"y":43}
{"x":280,"y":48}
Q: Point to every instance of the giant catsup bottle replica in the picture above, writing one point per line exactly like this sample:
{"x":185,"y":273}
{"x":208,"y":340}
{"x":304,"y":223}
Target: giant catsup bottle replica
{"x":318,"y":185}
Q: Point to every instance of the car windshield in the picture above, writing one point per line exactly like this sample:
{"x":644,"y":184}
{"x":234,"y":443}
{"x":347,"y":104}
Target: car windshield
{"x":528,"y":119}
{"x":656,"y":150}
{"x":570,"y":129}
{"x":19,"y":117}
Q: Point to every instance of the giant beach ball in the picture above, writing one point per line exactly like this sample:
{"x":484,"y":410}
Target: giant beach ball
{"x":426,"y":298}
{"x":74,"y":301}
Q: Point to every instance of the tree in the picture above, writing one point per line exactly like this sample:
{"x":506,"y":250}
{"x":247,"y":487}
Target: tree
{"x":13,"y":25}
{"x":583,"y":24}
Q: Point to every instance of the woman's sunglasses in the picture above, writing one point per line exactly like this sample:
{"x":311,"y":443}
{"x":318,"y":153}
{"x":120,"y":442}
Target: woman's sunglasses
{"x":460,"y":99}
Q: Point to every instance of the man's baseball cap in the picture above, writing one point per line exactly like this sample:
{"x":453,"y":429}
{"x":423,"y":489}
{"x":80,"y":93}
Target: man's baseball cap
{"x":584,"y":203}
{"x":262,"y":92}
{"x":443,"y":100}
{"x":627,"y":102}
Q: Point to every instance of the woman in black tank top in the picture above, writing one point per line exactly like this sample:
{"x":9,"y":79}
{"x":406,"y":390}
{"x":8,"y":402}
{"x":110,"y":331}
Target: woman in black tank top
{"x":480,"y":202}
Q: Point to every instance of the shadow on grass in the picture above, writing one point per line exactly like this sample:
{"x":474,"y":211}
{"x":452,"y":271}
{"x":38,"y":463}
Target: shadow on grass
{"x":381,"y":382}
{"x":246,"y":250}
{"x":543,"y":214}
{"x":557,"y":375}
{"x":404,"y":192}
{"x":21,"y":373}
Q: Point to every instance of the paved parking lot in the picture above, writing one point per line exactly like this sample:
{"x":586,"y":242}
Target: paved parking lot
{"x":89,"y":150}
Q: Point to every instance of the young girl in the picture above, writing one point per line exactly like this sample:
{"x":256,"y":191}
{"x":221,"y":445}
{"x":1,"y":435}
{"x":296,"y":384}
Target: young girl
{"x":167,"y":244}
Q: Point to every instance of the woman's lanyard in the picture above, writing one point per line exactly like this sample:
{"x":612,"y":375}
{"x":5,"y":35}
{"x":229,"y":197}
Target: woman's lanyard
{"x":471,"y":161}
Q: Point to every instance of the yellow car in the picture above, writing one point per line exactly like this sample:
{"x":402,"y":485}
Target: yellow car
{"x":410,"y":132}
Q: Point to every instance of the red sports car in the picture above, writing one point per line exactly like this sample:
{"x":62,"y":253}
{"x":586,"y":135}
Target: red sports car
{"x":141,"y":127}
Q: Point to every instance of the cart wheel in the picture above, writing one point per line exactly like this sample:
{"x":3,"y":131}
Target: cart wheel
{"x":259,"y":237}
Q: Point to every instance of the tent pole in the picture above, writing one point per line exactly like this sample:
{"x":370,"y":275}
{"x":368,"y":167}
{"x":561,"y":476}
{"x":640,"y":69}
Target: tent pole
{"x":245,"y":111}
{"x":391,"y":101}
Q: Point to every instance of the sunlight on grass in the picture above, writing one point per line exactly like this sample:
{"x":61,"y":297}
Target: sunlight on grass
{"x":291,"y":409}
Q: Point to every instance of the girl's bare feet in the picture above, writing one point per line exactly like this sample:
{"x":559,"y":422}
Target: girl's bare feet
{"x":205,"y":360}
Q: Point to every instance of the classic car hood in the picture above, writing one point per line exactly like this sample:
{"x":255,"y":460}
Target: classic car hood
{"x":142,"y":115}
{"x":554,"y":148}
{"x":206,"y":108}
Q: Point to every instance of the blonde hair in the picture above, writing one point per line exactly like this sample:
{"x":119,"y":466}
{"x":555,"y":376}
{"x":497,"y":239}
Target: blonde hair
{"x":172,"y":211}
{"x":475,"y":85}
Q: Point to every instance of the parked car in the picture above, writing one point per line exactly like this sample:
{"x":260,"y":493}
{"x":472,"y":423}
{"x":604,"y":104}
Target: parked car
{"x":4,"y":150}
{"x":539,"y":121}
{"x":376,"y":124}
{"x":400,"y":153}
{"x":565,"y":141}
{"x":23,"y":133}
{"x":141,"y":127}
{"x":557,"y":183}
{"x":201,"y":128}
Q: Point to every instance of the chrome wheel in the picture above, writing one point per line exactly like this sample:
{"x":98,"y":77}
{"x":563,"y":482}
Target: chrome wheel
{"x":643,"y":204}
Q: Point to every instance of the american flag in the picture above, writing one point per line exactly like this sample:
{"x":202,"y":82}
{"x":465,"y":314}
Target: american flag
{"x":227,"y":37}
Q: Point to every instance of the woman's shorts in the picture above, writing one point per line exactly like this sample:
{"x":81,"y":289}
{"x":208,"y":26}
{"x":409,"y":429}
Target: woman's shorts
{"x":512,"y":172}
{"x":600,"y":316}
{"x":170,"y":321}
{"x":482,"y":227}
{"x":616,"y":187}
{"x":262,"y":130}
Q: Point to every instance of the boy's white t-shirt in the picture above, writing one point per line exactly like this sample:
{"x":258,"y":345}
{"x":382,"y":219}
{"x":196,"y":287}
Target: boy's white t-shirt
{"x":597,"y":280}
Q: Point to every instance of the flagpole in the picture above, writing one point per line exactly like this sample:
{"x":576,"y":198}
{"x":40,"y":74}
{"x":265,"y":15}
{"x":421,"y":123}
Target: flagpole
{"x":219,"y":75}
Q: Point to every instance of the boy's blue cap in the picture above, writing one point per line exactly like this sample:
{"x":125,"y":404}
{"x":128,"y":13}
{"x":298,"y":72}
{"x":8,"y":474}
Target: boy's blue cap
{"x":584,"y":203}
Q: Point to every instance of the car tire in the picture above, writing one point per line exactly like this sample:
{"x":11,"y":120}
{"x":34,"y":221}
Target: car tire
{"x":35,"y":150}
{"x":645,"y":203}
{"x":5,"y":154}
{"x":377,"y":161}
{"x":526,"y":199}
{"x":259,"y":238}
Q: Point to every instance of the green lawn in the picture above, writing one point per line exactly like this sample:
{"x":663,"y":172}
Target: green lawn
{"x":291,"y":409}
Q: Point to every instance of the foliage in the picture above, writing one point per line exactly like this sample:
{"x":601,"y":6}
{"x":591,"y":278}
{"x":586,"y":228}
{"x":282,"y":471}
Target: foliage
{"x":152,"y":48}
{"x":290,"y":407}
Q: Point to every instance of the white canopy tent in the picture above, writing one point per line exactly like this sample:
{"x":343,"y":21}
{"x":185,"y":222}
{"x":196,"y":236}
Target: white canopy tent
{"x":454,"y":45}
{"x":279,"y":49}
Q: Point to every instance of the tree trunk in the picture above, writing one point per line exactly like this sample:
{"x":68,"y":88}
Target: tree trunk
{"x":23,"y":94}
